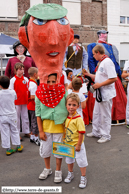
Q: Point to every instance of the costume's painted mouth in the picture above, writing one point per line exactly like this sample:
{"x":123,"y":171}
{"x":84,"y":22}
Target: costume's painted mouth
{"x":53,"y":53}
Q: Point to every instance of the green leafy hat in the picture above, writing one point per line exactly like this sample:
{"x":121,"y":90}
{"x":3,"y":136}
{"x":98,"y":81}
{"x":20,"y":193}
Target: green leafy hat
{"x":45,"y":11}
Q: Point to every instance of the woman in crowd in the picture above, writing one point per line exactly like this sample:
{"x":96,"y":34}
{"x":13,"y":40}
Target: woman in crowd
{"x":20,"y":56}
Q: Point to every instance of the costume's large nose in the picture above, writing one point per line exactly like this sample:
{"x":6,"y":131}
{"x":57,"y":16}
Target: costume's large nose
{"x":53,"y":38}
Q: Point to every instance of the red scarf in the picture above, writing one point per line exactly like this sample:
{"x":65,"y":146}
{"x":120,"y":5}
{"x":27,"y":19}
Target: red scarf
{"x":77,"y":46}
{"x":100,"y":41}
{"x":103,"y":57}
{"x":50,"y":95}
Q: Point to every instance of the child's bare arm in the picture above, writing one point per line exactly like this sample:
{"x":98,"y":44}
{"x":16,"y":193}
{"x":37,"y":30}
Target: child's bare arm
{"x":83,"y":104}
{"x":32,"y":97}
{"x":124,"y":74}
{"x":78,"y":146}
{"x":70,"y":86}
{"x":40,"y":127}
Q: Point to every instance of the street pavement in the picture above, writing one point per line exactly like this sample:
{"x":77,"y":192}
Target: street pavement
{"x":107,"y":172}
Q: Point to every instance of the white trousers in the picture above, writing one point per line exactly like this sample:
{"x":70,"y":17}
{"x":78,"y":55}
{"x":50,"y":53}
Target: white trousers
{"x":9,"y":129}
{"x":101,"y":123}
{"x":23,"y":113}
{"x":45,"y":149}
{"x":81,"y":157}
{"x":127,"y":109}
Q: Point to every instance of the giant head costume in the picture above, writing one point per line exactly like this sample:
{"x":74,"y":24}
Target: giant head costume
{"x":45,"y":31}
{"x":102,"y":35}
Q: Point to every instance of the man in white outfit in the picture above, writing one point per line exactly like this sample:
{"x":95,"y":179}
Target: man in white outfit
{"x":104,"y":79}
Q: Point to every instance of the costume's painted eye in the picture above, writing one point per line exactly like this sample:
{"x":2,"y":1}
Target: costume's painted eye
{"x":63,"y":21}
{"x":39,"y":21}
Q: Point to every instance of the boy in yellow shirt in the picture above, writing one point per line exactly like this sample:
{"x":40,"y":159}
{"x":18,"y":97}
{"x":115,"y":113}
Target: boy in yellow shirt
{"x":74,"y":136}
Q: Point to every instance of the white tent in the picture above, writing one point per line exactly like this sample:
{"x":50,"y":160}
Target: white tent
{"x":6,"y":43}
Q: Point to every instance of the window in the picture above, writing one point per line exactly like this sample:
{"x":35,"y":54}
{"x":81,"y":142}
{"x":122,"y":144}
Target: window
{"x":74,"y":10}
{"x":122,"y":19}
{"x":124,"y":11}
{"x":127,"y":20}
{"x":8,"y":9}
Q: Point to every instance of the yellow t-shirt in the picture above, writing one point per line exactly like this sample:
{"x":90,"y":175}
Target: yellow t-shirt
{"x":75,"y":127}
{"x":50,"y":127}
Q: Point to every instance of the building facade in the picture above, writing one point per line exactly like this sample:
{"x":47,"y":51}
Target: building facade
{"x":118,"y":27}
{"x":86,"y":16}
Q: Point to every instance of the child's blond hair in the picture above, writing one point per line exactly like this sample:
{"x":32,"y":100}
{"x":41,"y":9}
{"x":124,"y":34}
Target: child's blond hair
{"x":76,"y":83}
{"x":73,"y":96}
{"x":99,"y":48}
{"x":32,"y":71}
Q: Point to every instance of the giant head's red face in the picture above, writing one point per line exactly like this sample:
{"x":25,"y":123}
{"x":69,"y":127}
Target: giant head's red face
{"x":47,"y":42}
{"x":103,"y":37}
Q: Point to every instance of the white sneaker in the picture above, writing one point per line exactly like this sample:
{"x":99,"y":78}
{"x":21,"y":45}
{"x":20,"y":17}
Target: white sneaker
{"x":90,"y":134}
{"x":58,"y":176}
{"x":69,"y":177}
{"x":83,"y":182}
{"x":103,"y":140}
{"x":45,"y":173}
